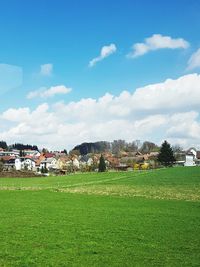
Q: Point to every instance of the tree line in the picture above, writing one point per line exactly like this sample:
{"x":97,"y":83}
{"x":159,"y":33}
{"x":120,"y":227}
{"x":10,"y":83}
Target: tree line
{"x":115,"y":147}
{"x":17,"y":146}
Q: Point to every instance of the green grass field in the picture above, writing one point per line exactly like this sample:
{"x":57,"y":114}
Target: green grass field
{"x":102,"y":219}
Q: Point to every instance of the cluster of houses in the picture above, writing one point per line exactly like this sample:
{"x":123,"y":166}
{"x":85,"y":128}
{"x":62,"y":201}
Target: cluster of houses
{"x":59,"y":162}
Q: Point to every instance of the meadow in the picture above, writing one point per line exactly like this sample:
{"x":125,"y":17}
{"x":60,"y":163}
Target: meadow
{"x":139,"y":218}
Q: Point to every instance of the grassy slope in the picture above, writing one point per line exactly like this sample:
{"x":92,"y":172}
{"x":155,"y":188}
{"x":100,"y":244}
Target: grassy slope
{"x":50,"y":228}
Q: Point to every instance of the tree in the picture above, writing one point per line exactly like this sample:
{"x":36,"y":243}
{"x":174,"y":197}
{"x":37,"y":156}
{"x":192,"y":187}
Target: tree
{"x":102,"y":164}
{"x":1,"y":165}
{"x":23,"y":147}
{"x":117,"y":146}
{"x":97,"y":147}
{"x":177,"y":148}
{"x":3,"y":145}
{"x":74,"y":152}
{"x":65,"y":151}
{"x":166,"y":156}
{"x":148,"y":147}
{"x":45,"y":150}
{"x":21,"y":153}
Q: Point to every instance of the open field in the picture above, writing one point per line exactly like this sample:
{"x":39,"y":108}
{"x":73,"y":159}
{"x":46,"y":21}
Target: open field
{"x":102,"y":219}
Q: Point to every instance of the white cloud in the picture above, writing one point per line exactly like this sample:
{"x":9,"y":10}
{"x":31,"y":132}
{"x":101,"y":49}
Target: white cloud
{"x":52,"y":91}
{"x":185,"y":126}
{"x":16,"y":115}
{"x":155,"y":42}
{"x":105,"y":52}
{"x":46,"y":69}
{"x":194,"y":61}
{"x":168,"y":110}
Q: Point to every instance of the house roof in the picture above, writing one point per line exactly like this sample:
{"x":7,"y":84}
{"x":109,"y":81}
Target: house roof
{"x":48,"y":160}
{"x":113,"y":161}
{"x":49,"y":155}
{"x":190,"y":154}
{"x":28,"y":157}
{"x":191,"y":148}
{"x":63,"y":159}
{"x":84,"y":158}
{"x":7,"y":158}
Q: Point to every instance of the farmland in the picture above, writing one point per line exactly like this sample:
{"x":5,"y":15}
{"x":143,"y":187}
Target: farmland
{"x":141,"y":218}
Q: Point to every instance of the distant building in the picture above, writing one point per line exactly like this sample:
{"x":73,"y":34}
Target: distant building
{"x":189,"y":159}
{"x":192,"y":157}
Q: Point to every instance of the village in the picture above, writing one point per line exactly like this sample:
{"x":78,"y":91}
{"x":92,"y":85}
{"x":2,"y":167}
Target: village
{"x":58,"y":163}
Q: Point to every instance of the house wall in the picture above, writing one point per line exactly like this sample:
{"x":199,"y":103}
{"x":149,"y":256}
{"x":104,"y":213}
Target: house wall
{"x":18,"y":164}
{"x":194,"y":152}
{"x":76,"y":163}
{"x":189,"y":161}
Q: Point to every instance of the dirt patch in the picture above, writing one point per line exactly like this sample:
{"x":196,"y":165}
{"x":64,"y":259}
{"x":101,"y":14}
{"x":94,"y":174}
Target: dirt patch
{"x":18,"y":174}
{"x":170,"y":193}
{"x":15,"y":188}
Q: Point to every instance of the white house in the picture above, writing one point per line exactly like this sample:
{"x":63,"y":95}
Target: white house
{"x":192,"y":157}
{"x":189,"y":159}
{"x":28,"y":163}
{"x":49,"y":163}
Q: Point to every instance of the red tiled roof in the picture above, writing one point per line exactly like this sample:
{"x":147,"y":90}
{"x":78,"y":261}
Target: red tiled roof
{"x":49,"y":155}
{"x":28,"y":157}
{"x":6,"y":158}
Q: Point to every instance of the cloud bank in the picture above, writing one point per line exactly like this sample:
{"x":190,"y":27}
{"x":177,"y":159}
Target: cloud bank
{"x":155,"y":42}
{"x":167,"y":110}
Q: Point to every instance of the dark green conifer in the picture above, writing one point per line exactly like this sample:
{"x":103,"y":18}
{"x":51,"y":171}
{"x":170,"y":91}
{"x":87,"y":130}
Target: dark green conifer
{"x":102,"y":164}
{"x":166,"y":156}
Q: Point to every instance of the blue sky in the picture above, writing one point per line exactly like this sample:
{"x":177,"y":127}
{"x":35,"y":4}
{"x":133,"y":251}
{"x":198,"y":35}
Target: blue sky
{"x":68,"y":34}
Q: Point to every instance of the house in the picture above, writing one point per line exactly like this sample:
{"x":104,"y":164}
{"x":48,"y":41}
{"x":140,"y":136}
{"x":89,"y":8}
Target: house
{"x":62,"y":163}
{"x":13,"y":153}
{"x":12,"y":163}
{"x":192,"y":157}
{"x":84,"y":160}
{"x":122,"y":167}
{"x":113,"y":162}
{"x":198,"y":158}
{"x":76,"y":163}
{"x":28,"y":164}
{"x":9,"y":162}
{"x":189,"y":159}
{"x":49,"y":164}
{"x":32,"y":153}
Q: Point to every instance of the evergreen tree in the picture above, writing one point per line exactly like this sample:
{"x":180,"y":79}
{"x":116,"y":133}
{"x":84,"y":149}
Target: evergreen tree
{"x":42,"y":169}
{"x":102,"y":164}
{"x":166,"y":156}
{"x":3,"y":145}
{"x":65,"y":151}
{"x":21,"y":153}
